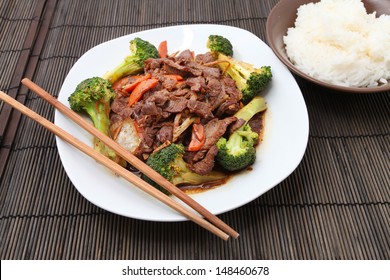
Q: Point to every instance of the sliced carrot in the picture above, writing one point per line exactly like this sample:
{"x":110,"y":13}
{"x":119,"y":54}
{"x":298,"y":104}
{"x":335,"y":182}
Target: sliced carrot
{"x":174,"y":76}
{"x":135,"y":77}
{"x":138,"y":79}
{"x":163,"y":49}
{"x":198,"y":137}
{"x":140,"y":89}
{"x":118,"y":85}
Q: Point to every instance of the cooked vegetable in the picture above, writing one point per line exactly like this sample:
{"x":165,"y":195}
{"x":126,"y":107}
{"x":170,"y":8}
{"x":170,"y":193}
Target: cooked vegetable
{"x":249,"y":80}
{"x":140,"y":51}
{"x":178,"y":129}
{"x":140,"y":89}
{"x":198,"y":138}
{"x":256,"y":105}
{"x":125,"y":133}
{"x":169,"y":162}
{"x":138,"y":79}
{"x":93,"y":96}
{"x":219,"y":44}
{"x":174,"y":76}
{"x":163,"y":49}
{"x":238,"y":151}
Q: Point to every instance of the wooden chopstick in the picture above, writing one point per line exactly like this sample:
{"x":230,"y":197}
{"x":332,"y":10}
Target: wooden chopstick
{"x":133,"y":160}
{"x":114,"y":167}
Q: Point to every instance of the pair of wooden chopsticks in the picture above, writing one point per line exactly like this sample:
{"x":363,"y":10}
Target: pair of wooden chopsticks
{"x":208,"y":221}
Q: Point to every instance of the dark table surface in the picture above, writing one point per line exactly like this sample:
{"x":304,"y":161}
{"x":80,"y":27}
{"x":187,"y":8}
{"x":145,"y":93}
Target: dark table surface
{"x":335,"y":205}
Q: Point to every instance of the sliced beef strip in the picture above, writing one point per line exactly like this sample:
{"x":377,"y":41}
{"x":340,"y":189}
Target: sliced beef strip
{"x":119,"y":104}
{"x":152,"y":63}
{"x":171,"y":67}
{"x":146,"y":146}
{"x":231,"y":102}
{"x":199,"y":108}
{"x":180,"y":92}
{"x":150,"y":108}
{"x":215,"y":129}
{"x":211,"y":72}
{"x":204,"y":58}
{"x":230,"y":88}
{"x":168,"y":83}
{"x":256,"y":124}
{"x":186,"y":56}
{"x":228,"y":107}
{"x":205,"y":165}
{"x":215,"y":87}
{"x":216,"y":93}
{"x":197,"y":84}
{"x":165,"y":134}
{"x":175,"y":104}
{"x":159,"y":97}
{"x":136,"y":110}
{"x":236,"y":125}
{"x":206,"y":71}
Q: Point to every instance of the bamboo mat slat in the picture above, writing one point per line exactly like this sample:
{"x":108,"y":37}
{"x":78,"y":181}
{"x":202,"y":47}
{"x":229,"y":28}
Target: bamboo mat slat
{"x":24,"y":66}
{"x":14,"y":23}
{"x":335,"y":205}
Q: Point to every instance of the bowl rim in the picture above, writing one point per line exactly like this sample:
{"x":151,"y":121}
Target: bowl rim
{"x":274,"y":11}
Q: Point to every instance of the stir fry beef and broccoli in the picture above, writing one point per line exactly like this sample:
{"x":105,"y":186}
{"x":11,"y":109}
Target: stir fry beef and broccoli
{"x":194,"y":118}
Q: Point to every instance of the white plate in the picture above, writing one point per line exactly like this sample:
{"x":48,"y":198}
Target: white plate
{"x":285,"y":137}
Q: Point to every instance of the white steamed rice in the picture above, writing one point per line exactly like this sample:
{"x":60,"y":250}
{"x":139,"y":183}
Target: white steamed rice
{"x":336,"y":41}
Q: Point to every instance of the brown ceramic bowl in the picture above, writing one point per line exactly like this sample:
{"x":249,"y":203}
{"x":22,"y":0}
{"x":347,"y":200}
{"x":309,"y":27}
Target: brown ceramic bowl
{"x":283,"y":16}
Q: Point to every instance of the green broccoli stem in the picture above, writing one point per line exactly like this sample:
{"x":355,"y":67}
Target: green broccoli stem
{"x":186,"y":176}
{"x":99,"y":114}
{"x":248,"y":134}
{"x":241,"y":82}
{"x":232,"y":69}
{"x":100,"y":147}
{"x":127,"y":67}
{"x":191,"y":178}
{"x":256,"y":105}
{"x":244,"y":72}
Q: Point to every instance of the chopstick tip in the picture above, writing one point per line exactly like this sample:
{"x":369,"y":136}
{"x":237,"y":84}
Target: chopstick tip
{"x":24,"y":80}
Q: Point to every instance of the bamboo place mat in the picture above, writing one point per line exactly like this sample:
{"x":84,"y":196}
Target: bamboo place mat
{"x":335,"y":205}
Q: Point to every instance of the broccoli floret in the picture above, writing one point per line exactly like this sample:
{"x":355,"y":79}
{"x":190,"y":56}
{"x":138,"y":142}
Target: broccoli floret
{"x":140,"y":51}
{"x":249,"y":79}
{"x":219,"y":44}
{"x":93,"y":96}
{"x":170,"y":164}
{"x":239,"y":151}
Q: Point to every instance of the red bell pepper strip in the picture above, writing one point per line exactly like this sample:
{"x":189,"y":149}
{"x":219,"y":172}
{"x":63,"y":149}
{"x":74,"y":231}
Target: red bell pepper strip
{"x":198,"y":137}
